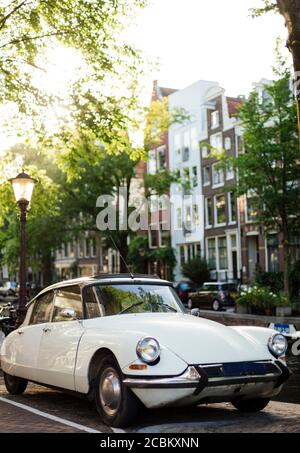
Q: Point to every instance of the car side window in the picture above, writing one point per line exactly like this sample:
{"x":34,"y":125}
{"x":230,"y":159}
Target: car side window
{"x":68,"y":297}
{"x":42,"y":309}
{"x":92,"y":308}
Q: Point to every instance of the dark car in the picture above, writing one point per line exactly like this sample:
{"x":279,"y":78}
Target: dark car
{"x":183,"y":289}
{"x":214,"y":296}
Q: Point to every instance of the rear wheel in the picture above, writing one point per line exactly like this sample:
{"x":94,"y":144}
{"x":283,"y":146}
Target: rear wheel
{"x":115,"y":403}
{"x":15,"y":385}
{"x":216,"y":305}
{"x":254,"y":405}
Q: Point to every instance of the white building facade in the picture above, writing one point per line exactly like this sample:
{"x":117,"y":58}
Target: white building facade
{"x":187,"y":220}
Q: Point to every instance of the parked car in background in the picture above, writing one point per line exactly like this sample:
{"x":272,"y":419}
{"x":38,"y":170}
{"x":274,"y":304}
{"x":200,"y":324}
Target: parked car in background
{"x":123,"y":340}
{"x":8,"y":288}
{"x":183,"y":290}
{"x":214,"y":296}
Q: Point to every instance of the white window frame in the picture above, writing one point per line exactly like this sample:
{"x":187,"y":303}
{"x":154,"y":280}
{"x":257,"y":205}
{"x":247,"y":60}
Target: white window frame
{"x":229,"y":172}
{"x":227,"y":143}
{"x":213,"y":141}
{"x":219,"y":184}
{"x":206,"y":183}
{"x":230,"y":221}
{"x":215,"y":210}
{"x":215,"y":119}
{"x":208,"y":225}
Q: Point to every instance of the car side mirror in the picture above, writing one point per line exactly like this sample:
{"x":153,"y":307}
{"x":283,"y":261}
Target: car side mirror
{"x":195,"y":312}
{"x":68,"y":313}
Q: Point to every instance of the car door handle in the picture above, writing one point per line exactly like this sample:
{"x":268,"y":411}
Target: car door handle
{"x":46,"y":329}
{"x":20,"y":332}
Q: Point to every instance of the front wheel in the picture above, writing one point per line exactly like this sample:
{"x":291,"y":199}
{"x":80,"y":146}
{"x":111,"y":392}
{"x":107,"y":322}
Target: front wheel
{"x":15,"y":385}
{"x":254,"y":405}
{"x":115,"y":403}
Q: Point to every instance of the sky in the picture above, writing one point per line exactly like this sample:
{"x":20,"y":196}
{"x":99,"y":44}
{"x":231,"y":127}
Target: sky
{"x":190,"y":39}
{"x":208,"y":39}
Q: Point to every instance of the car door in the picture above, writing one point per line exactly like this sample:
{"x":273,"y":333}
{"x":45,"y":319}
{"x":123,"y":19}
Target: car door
{"x":23,"y":344}
{"x":60,"y":339}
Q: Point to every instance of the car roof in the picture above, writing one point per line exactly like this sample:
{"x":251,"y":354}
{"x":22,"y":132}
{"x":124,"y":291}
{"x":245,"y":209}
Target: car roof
{"x":103,"y":278}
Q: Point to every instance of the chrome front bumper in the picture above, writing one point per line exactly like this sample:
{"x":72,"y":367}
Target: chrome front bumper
{"x":199,"y":377}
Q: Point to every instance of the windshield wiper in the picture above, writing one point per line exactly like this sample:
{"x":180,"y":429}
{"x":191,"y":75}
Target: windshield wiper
{"x":152,"y":302}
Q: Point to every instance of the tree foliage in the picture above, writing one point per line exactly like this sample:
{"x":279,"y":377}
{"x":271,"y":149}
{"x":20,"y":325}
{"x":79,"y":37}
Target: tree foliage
{"x":29,"y":27}
{"x":269,"y":169}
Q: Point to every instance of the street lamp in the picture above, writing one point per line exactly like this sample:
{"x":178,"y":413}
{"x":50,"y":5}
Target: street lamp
{"x":22,"y":186}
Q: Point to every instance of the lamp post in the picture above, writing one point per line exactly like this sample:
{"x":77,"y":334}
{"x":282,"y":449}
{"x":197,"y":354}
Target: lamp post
{"x":22,"y":186}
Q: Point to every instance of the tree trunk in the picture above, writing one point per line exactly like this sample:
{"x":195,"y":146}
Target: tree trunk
{"x":47,"y":269}
{"x":290,"y":10}
{"x":124,"y":252}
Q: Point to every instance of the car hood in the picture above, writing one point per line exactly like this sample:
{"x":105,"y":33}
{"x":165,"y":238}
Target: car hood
{"x":195,"y":340}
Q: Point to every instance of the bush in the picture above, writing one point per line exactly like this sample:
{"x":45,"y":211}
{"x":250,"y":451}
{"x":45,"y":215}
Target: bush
{"x":261,"y":297}
{"x":271,"y":280}
{"x":196,"y":270}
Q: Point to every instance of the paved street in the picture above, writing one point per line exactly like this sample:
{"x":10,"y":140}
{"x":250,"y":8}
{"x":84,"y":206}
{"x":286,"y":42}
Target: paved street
{"x":44,"y":410}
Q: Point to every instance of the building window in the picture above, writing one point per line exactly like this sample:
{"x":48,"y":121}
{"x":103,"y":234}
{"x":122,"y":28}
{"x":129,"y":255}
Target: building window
{"x":205,"y":152}
{"x":72,"y":249}
{"x":273,"y":252}
{"x":161,"y":157}
{"x":232,"y":207}
{"x":220,"y":210}
{"x":195,"y":214}
{"x":81,"y":248}
{"x":152,"y":162}
{"x":222,"y":250}
{"x":233,"y":241}
{"x":195,"y":177}
{"x":217,"y":174}
{"x":251,"y":209}
{"x":208,"y":212}
{"x":65,"y":249}
{"x":179,"y":218}
{"x":229,"y":171}
{"x":206,"y":175}
{"x":215,"y":119}
{"x":216,"y":141}
{"x":182,"y":254}
{"x":227,"y":143}
{"x":153,"y":237}
{"x":164,"y":234}
{"x":211,"y":248}
{"x":93,"y":247}
{"x":188,"y":218}
{"x":87,"y":247}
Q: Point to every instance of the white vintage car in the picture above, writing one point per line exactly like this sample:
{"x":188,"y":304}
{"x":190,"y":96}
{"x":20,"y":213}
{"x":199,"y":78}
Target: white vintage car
{"x":124,"y":341}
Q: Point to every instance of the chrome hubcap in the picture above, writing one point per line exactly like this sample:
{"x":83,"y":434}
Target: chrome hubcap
{"x":216,"y":305}
{"x":110,"y":391}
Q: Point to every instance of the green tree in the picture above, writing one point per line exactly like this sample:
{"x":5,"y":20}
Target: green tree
{"x":196,"y":270}
{"x":290,"y":10}
{"x":269,"y":168}
{"x":28,"y":28}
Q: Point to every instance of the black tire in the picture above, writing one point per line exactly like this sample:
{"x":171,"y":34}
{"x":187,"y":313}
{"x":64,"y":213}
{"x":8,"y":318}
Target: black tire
{"x":14,"y":385}
{"x":254,"y":405}
{"x":124,"y":404}
{"x":216,"y":306}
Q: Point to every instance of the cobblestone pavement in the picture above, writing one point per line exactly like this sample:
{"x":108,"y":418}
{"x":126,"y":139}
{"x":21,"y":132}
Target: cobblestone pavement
{"x":277,"y":417}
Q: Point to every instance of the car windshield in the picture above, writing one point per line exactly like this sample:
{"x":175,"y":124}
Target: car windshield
{"x":138,"y":298}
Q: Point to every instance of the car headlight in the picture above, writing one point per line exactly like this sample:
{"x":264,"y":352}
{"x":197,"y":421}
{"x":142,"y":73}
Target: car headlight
{"x":148,"y":350}
{"x":277,"y":344}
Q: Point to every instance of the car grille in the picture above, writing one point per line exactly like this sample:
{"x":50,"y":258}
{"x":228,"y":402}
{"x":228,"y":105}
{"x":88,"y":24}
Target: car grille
{"x":236,"y":369}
